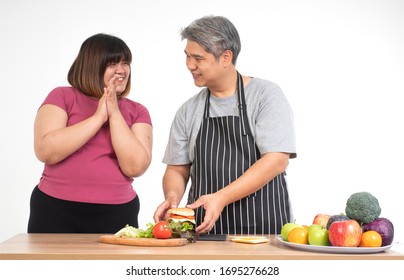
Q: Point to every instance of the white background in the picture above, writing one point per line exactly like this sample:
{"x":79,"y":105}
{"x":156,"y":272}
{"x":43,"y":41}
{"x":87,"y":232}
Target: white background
{"x":340,"y":63}
{"x":107,"y":269}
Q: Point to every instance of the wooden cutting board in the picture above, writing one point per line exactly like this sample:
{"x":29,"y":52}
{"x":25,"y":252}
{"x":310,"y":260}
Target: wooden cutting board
{"x":146,"y":242}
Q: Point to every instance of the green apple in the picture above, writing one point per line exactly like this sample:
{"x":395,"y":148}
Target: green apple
{"x":312,"y":227}
{"x":286,"y":228}
{"x":318,"y":235}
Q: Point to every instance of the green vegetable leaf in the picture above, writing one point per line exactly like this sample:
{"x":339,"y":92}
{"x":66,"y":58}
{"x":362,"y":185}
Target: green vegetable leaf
{"x":148,"y":232}
{"x":187,"y":226}
{"x":132,"y":232}
{"x":129,"y":231}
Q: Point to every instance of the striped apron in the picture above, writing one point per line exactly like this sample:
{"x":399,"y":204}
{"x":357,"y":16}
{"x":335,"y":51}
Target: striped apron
{"x":224,"y":150}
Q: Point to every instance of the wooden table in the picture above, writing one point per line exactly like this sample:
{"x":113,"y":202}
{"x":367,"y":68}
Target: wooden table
{"x":87,"y":247}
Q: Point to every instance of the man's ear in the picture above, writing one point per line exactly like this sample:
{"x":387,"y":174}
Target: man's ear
{"x":227,"y":57}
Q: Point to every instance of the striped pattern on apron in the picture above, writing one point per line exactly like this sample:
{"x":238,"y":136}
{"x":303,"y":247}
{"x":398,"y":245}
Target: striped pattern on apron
{"x":224,"y":150}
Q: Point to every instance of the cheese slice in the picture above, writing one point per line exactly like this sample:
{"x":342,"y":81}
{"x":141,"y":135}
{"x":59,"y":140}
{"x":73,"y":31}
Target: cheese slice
{"x":250,"y":239}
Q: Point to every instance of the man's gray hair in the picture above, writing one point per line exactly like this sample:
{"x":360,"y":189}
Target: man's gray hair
{"x":215,"y":34}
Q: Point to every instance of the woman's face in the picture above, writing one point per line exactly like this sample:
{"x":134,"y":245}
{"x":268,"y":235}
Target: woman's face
{"x":121,"y":71}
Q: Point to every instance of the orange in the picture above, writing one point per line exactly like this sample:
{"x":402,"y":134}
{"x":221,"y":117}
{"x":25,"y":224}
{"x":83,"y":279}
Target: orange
{"x":298,"y":235}
{"x":370,"y":238}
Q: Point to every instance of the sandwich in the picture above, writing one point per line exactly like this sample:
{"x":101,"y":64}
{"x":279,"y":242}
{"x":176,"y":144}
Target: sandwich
{"x":182,"y":223}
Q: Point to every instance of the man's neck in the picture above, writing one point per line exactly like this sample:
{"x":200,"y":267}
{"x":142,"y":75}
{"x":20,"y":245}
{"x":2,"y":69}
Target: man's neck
{"x":226,"y":86}
{"x":229,"y":88}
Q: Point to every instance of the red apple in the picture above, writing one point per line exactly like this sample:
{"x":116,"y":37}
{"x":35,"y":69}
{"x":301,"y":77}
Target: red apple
{"x":345,"y":233}
{"x":321,"y":219}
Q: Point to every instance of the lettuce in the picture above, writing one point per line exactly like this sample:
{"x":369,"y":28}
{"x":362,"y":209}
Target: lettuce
{"x":132,"y":232}
{"x":128,"y":231}
{"x":183,"y":230}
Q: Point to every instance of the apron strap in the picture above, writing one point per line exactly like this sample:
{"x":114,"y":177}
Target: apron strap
{"x":242,"y":106}
{"x":206,"y":114}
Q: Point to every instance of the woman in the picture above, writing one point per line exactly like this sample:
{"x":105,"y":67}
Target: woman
{"x":93,"y":141}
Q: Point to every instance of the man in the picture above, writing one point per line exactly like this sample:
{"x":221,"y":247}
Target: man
{"x":233,"y":139}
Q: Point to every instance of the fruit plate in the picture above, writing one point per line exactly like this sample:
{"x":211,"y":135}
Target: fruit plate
{"x":334,"y":249}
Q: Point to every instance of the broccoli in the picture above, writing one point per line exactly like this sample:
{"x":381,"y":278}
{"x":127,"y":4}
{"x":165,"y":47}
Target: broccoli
{"x":362,"y":207}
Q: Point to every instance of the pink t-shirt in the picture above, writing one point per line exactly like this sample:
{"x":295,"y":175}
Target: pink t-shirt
{"x":92,"y":173}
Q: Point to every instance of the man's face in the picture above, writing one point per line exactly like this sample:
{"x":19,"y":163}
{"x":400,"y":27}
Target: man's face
{"x":204,"y":67}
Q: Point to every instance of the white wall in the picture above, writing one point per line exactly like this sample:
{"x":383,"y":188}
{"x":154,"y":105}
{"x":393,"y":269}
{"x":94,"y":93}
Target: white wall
{"x":340,"y":64}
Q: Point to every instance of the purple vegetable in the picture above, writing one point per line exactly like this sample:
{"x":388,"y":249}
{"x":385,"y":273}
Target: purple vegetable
{"x":384,"y":227}
{"x":335,"y":218}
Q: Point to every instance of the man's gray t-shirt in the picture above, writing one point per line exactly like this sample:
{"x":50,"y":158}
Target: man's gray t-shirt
{"x":269,"y":114}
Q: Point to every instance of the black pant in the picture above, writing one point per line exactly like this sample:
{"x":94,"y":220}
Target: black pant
{"x":52,"y":215}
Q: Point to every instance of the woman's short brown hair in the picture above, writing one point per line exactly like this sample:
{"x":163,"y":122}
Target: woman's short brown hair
{"x":96,"y":53}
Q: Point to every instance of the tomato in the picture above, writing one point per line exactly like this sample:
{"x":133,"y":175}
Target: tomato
{"x":162,"y":230}
{"x":173,"y":216}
